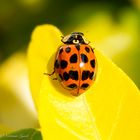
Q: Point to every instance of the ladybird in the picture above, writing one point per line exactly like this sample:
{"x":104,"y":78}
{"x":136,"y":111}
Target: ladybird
{"x":75,"y":63}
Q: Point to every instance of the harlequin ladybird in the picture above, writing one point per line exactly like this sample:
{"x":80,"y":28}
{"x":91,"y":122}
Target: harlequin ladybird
{"x":75,"y":63}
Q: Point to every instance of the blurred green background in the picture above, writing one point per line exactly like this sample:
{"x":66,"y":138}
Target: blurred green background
{"x":114,"y":25}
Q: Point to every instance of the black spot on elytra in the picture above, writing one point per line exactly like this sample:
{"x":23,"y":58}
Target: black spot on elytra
{"x":68,"y":49}
{"x":56,"y":64}
{"x":60,"y":76}
{"x":92,"y":63}
{"x":92,"y":50}
{"x":77,"y":47}
{"x":63,"y":64}
{"x":61,"y":50}
{"x":87,"y":49}
{"x":84,"y":58}
{"x":85,"y":75}
{"x":66,"y":76}
{"x":73,"y":86}
{"x":73,"y":58}
{"x":85,"y":85}
{"x":91,"y":75}
{"x":73,"y":74}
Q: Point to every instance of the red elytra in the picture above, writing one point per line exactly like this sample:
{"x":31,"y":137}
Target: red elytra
{"x":75,"y":64}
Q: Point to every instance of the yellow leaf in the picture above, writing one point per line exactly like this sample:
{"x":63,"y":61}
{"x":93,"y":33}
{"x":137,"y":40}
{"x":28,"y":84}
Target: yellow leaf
{"x":109,"y":110}
{"x":38,"y":58}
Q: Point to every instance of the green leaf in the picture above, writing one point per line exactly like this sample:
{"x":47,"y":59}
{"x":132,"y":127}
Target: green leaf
{"x":24,"y":134}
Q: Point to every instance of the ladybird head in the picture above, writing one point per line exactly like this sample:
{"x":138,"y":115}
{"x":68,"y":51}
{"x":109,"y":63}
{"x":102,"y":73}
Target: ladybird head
{"x":74,"y":38}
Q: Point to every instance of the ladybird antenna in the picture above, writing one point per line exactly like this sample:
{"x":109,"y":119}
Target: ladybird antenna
{"x":87,"y":31}
{"x":77,"y":32}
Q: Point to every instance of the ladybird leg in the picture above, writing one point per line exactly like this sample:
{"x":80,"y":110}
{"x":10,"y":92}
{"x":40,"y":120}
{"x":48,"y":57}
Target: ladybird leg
{"x":62,"y":38}
{"x":55,"y":79}
{"x":50,"y":74}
